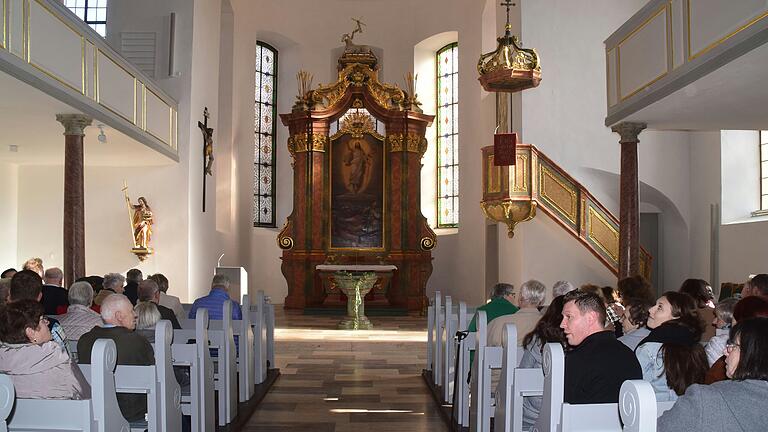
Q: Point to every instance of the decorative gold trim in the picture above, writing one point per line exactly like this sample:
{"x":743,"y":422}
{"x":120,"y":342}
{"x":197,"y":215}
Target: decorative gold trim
{"x":510,"y":213}
{"x":546,"y":173}
{"x":98,"y":87}
{"x":621,"y":97}
{"x":358,"y":74}
{"x":605,"y":248}
{"x":5,"y":26}
{"x":358,"y":124}
{"x":411,"y":142}
{"x":720,"y":41}
{"x":521,"y":164}
{"x":427,"y":243}
{"x":170,"y":117}
{"x":144,"y":110}
{"x":300,"y":144}
{"x":493,"y":182}
{"x":28,"y":47}
{"x":25,"y":30}
{"x":176,"y":130}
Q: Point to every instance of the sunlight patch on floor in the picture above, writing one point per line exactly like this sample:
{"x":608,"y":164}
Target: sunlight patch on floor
{"x":294,"y":334}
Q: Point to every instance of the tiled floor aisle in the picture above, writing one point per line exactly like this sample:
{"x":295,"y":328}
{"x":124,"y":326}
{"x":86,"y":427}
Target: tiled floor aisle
{"x":342,"y":381}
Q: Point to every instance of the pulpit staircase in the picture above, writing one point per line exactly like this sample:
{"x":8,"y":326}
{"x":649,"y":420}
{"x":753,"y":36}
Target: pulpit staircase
{"x":514,"y":194}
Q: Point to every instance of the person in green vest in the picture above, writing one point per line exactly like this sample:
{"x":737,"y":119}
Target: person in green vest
{"x":502,"y":303}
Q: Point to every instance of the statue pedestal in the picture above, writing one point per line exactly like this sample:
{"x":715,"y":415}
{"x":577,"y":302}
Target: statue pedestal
{"x":355,"y":281}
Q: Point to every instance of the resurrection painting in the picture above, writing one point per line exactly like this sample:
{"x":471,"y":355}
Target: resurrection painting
{"x":357,"y":192}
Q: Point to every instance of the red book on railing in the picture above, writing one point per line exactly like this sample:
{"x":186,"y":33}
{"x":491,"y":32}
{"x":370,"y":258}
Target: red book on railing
{"x":504,"y":149}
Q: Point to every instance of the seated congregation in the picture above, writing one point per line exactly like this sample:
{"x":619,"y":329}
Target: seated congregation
{"x":50,"y":336}
{"x":703,"y":366}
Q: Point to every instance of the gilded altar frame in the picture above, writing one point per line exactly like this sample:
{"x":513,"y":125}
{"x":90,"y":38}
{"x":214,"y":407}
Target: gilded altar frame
{"x":407,"y":239}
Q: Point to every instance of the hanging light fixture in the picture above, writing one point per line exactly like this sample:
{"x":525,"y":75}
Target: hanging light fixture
{"x":511,"y":68}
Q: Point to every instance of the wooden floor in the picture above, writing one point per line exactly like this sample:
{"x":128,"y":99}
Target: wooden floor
{"x":342,"y":381}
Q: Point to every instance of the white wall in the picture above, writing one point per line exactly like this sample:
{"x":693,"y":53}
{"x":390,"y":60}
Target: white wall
{"x":564,"y":118}
{"x":8,"y":215}
{"x":740,"y":169}
{"x":108,"y":231}
{"x":306,"y":34}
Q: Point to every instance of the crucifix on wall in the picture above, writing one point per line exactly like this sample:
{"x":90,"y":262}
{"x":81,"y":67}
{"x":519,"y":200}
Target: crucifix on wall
{"x":207,"y":149}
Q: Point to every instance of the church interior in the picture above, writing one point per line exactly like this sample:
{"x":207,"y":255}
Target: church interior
{"x":365,"y":173}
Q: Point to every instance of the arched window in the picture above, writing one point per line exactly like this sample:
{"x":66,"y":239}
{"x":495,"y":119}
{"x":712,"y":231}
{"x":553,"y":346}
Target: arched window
{"x":93,"y":12}
{"x":447,"y":79}
{"x":265,"y":135}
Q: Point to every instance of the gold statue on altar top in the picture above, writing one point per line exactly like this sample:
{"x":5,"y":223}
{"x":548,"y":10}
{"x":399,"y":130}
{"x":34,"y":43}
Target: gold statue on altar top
{"x":141,"y":218}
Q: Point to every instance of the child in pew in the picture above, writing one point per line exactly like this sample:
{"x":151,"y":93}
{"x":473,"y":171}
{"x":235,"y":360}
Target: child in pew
{"x":547,"y":330}
{"x":722,"y":324}
{"x":147,"y":316}
{"x":132,"y":349}
{"x":38,"y":366}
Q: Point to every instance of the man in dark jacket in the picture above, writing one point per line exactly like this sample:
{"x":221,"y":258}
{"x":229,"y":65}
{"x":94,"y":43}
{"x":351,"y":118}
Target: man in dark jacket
{"x":598,"y":363}
{"x":132,"y":278}
{"x":149,"y":291}
{"x":132,"y":348}
{"x":54,"y":296}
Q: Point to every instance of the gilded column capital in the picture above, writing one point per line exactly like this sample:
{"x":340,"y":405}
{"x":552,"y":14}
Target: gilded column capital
{"x":629,"y":131}
{"x":74,"y":124}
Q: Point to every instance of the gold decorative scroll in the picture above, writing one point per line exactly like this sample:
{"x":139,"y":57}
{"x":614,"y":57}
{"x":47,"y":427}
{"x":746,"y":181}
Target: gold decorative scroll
{"x":358,"y":124}
{"x":388,"y":96}
{"x":410,"y":142}
{"x":300,"y":144}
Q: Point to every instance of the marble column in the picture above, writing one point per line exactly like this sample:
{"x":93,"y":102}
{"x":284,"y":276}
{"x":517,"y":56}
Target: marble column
{"x":74,"y":195}
{"x":629,"y":200}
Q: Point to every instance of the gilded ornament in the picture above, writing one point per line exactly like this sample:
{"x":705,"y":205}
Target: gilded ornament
{"x":299,"y":143}
{"x":510,"y":68}
{"x":428,"y":243}
{"x":284,"y":241}
{"x":358,"y":124}
{"x":410,"y":142}
{"x":510,"y":213}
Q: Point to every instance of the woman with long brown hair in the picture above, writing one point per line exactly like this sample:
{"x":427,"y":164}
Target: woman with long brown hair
{"x":670,"y":356}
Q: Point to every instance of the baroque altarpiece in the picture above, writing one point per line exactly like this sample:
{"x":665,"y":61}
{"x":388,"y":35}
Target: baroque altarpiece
{"x":356,"y":146}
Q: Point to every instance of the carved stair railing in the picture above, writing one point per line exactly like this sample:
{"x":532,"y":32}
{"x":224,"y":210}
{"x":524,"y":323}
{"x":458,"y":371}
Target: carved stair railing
{"x":514,"y":194}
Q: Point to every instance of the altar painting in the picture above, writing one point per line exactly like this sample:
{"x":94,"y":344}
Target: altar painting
{"x":357,"y":192}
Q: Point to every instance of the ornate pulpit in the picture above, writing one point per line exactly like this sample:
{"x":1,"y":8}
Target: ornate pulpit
{"x":356,"y":146}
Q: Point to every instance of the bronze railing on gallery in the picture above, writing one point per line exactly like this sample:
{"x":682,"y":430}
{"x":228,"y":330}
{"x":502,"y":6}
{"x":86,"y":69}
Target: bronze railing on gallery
{"x":515,"y":193}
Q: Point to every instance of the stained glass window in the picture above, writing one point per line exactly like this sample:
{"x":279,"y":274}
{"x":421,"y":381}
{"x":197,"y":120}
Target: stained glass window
{"x":764,"y":170}
{"x":447,"y":120}
{"x":93,"y":12}
{"x":265,"y":135}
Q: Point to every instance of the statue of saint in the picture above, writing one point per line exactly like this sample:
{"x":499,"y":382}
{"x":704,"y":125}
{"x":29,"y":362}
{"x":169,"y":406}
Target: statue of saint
{"x":141,"y":220}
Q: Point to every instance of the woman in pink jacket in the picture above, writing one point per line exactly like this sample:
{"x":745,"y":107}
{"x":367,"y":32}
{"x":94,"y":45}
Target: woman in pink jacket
{"x":38,"y":366}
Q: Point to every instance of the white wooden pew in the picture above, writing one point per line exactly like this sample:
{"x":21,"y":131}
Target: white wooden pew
{"x":221,"y":333}
{"x":450,"y":322}
{"x":439,"y":343}
{"x":199,"y":403}
{"x":156,"y":381}
{"x":98,"y":414}
{"x":515,"y":384}
{"x":246,"y":357}
{"x":258,"y":317}
{"x":463,"y":350}
{"x":558,"y":416}
{"x":7,"y":397}
{"x":487,"y":358}
{"x":638,"y":407}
